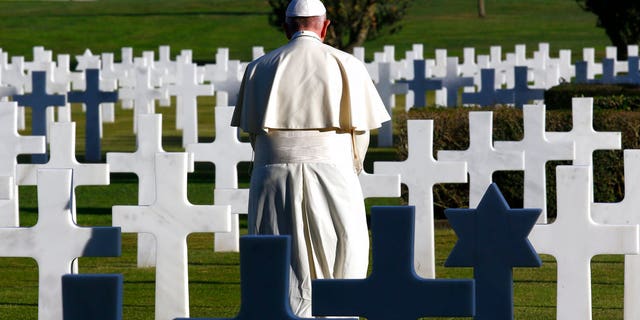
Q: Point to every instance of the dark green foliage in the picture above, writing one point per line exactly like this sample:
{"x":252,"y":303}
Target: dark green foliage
{"x":451,"y":133}
{"x":352,"y":22}
{"x":606,"y":96}
{"x":619,"y":18}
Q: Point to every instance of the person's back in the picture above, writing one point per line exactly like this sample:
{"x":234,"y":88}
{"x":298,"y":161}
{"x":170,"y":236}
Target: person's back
{"x":309,"y":108}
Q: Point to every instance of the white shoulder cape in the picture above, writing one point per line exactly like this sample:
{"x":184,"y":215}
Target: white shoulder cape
{"x":308,"y":85}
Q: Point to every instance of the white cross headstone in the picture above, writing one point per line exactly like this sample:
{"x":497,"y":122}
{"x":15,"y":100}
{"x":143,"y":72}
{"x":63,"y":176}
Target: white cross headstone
{"x":238,"y":199}
{"x":419,"y":172}
{"x":574,"y":238}
{"x":142,"y":163}
{"x":626,"y":212}
{"x":481,"y":157}
{"x":593,"y":68}
{"x":9,"y":216}
{"x":537,"y":151}
{"x":171,"y":218}
{"x":187,"y":89}
{"x":11,"y":145}
{"x":142,"y":93}
{"x":56,"y":241}
{"x":585,"y":139}
{"x":225,"y":152}
{"x":387,"y":89}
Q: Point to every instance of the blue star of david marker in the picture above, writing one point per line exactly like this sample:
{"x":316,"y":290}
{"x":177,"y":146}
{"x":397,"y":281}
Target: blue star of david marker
{"x":38,"y":100}
{"x":264,"y":272}
{"x":420,"y":83}
{"x":493,"y":239}
{"x":92,"y":98}
{"x":393,"y":290}
{"x":92,"y":296}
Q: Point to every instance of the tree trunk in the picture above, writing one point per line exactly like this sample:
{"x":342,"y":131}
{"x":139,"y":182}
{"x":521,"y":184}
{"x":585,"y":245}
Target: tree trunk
{"x":481,"y":12}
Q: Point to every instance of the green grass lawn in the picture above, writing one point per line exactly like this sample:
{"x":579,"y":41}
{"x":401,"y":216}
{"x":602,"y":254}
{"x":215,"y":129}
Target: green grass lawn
{"x":108,"y":25}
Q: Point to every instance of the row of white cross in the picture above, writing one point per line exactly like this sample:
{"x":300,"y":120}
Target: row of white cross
{"x":146,"y":80}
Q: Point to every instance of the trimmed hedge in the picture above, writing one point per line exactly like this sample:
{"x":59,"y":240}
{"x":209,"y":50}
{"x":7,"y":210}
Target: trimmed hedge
{"x":451,"y":132}
{"x":605,"y":96}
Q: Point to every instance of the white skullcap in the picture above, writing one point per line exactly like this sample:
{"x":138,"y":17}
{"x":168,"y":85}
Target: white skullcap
{"x":305,"y":8}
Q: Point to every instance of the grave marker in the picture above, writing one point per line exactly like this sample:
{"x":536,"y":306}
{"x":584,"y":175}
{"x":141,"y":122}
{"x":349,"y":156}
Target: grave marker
{"x":142,"y":93}
{"x":488,"y":95}
{"x":420,"y":84}
{"x":187,"y":89}
{"x":387,"y":89}
{"x":11,"y":145}
{"x":574,"y":238}
{"x":625,"y":212}
{"x":493,"y":240}
{"x":171,"y":218}
{"x":419,"y":172}
{"x":264,"y":273}
{"x":393,"y":291}
{"x":481,"y":157}
{"x":585,"y":139}
{"x":537,"y":151}
{"x":452,"y":82}
{"x":92,"y":296}
{"x":39,"y":101}
{"x":92,"y":97}
{"x":142,"y":163}
{"x":56,"y":241}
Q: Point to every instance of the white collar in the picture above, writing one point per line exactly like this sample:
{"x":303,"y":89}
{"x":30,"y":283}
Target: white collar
{"x":305,"y":33}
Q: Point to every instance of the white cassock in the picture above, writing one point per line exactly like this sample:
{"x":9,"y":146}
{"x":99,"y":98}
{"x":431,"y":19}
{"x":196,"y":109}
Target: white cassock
{"x":306,"y":105}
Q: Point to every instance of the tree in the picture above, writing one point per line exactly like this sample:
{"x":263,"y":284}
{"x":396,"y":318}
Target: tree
{"x":481,"y":11}
{"x":354,"y":21}
{"x":619,"y":18}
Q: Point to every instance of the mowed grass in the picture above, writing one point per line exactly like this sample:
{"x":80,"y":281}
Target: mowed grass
{"x":203,"y":26}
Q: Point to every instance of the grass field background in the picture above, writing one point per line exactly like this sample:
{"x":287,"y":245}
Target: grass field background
{"x":203,"y":26}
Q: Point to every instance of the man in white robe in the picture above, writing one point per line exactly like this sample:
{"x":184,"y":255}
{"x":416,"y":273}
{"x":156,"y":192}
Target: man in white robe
{"x":308,"y":109}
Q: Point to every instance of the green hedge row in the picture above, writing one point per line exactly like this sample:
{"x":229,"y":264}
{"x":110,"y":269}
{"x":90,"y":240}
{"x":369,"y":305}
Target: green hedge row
{"x":605,"y":96}
{"x":451,"y":132}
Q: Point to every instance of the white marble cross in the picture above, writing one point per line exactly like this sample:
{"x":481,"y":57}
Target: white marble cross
{"x":481,"y":157}
{"x":238,"y":199}
{"x":626,"y":212}
{"x":420,"y":171}
{"x":9,"y":216}
{"x":56,"y":241}
{"x":586,"y":139}
{"x":387,"y":89}
{"x":537,"y":151}
{"x":225,"y":74}
{"x":11,"y":145}
{"x":187,"y":89}
{"x":171,"y":218}
{"x":62,"y":156}
{"x":142,"y":163}
{"x":142,"y":94}
{"x":225,"y":152}
{"x":574,"y":238}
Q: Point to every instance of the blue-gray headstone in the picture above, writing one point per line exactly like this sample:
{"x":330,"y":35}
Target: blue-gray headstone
{"x":264,"y":272}
{"x":420,"y":84}
{"x":521,"y":92}
{"x":92,"y":97}
{"x":92,"y":296}
{"x":582,"y":69}
{"x":393,"y":290}
{"x":488,"y":95}
{"x":38,"y":100}
{"x":493,"y":239}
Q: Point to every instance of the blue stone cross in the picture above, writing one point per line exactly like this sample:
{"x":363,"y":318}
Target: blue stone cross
{"x":493,"y":239}
{"x":488,"y":95}
{"x":264,"y":272}
{"x":521,"y":92}
{"x":420,"y":83}
{"x":92,"y":296}
{"x":92,"y":98}
{"x":38,"y":100}
{"x":393,"y":290}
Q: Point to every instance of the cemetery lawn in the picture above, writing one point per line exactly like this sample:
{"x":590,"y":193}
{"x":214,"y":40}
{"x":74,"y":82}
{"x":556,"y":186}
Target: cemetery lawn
{"x":203,"y":26}
{"x":214,"y":277}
